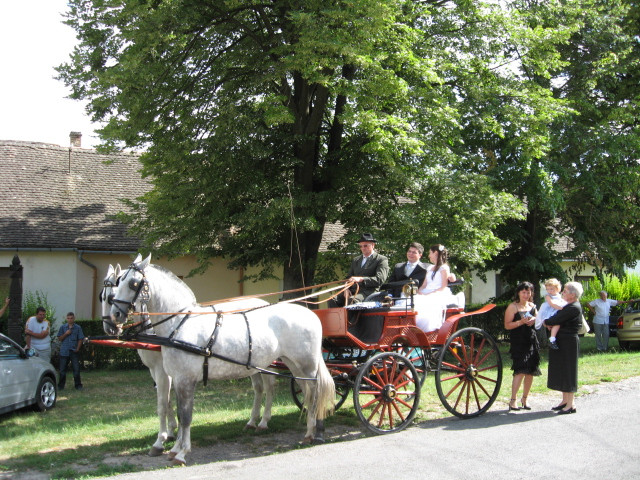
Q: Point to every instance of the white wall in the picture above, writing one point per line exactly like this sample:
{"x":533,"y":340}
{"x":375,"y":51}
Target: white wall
{"x":71,"y":285}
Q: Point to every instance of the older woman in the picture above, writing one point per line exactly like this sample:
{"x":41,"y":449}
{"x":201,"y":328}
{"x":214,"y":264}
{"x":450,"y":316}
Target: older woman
{"x":563,"y":362}
{"x":519,"y":319}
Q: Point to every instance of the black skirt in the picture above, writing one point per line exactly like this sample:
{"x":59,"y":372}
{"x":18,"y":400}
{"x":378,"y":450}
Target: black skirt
{"x":563,"y":364}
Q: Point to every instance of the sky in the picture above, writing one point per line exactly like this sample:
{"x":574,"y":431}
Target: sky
{"x":33,"y":105}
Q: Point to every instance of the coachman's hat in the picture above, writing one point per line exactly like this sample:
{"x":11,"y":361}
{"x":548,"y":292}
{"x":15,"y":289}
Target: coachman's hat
{"x":367,"y":237}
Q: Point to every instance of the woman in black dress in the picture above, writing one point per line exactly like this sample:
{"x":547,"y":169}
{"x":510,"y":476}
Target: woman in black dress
{"x":519,"y":319}
{"x":563,"y":362}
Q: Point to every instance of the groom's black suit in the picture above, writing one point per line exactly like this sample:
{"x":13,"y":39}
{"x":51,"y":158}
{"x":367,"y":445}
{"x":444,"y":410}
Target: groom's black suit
{"x":418,"y":274}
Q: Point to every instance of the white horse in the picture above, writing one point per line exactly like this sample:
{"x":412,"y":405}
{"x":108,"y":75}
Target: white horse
{"x":152,"y":360}
{"x":263,"y":384}
{"x":252,"y":339}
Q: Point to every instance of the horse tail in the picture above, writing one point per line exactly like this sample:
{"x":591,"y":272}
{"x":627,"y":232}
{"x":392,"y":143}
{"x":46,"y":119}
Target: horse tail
{"x":325,"y":393}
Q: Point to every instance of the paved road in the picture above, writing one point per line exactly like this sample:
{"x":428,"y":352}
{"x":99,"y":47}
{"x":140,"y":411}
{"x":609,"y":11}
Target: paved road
{"x":599,"y":442}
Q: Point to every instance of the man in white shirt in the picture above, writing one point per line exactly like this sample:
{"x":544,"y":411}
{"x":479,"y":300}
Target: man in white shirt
{"x":37,"y":334}
{"x":602,"y":308}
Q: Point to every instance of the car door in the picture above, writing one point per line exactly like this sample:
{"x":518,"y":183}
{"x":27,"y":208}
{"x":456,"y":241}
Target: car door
{"x":17,"y":378}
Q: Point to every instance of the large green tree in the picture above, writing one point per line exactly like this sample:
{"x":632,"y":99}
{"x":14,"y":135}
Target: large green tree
{"x":580,"y":185}
{"x":264,"y":120}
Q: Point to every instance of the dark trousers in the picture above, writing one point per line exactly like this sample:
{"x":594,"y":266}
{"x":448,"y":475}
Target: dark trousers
{"x":75,"y":365}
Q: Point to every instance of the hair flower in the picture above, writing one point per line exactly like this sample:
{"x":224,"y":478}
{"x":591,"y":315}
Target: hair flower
{"x":441,"y":247}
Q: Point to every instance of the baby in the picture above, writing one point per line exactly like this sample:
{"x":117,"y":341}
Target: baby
{"x":552,"y":302}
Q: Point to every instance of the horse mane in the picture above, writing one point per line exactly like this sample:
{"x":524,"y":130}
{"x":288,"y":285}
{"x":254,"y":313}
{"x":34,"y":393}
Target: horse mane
{"x":175,"y":278}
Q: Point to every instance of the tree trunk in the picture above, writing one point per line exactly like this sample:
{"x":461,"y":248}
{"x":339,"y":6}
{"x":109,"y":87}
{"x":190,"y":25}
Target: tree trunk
{"x":299,"y":271}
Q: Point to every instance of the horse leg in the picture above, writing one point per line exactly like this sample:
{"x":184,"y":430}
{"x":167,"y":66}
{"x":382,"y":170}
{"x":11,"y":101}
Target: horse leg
{"x":258,"y":389}
{"x":184,"y":389}
{"x":269,"y":382}
{"x":165,"y":413}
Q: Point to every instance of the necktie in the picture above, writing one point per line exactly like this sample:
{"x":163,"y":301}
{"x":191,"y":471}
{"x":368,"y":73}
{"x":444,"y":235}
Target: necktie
{"x":408,"y":268}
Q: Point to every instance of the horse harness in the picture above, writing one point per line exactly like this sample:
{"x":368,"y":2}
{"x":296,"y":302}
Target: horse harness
{"x":141,"y":288}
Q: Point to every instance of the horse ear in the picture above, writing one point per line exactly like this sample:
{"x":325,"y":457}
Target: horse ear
{"x":110,"y":270}
{"x":118,"y":271}
{"x":138,"y":259}
{"x":146,"y":262}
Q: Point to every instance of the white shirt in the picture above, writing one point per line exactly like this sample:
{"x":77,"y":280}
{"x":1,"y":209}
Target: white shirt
{"x":409,"y":267}
{"x":603,"y":308}
{"x":39,"y":327}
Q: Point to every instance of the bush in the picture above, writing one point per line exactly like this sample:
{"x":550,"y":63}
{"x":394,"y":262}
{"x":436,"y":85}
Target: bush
{"x":492,"y":321}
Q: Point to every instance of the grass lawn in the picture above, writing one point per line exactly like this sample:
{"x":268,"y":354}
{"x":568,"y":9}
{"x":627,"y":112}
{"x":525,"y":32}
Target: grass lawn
{"x":115,"y":415}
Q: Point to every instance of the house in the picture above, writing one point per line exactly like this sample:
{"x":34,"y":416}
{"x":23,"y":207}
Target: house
{"x":57,"y":208}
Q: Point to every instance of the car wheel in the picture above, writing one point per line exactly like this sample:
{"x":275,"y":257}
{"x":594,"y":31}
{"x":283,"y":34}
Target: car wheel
{"x":46,"y":394}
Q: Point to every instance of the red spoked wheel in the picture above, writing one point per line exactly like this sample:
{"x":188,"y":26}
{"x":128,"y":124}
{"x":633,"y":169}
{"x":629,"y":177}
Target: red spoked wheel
{"x":386,"y":394}
{"x":469,"y":373}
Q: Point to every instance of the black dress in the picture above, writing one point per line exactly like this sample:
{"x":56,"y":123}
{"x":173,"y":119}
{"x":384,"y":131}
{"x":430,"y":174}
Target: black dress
{"x":563,"y":363}
{"x":525,"y":349}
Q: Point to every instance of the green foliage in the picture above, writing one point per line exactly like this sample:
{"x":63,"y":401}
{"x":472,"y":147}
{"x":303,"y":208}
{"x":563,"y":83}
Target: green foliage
{"x":626,"y":288}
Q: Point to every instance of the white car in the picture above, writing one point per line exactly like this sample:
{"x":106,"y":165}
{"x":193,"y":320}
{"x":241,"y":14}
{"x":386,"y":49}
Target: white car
{"x":25,"y":379}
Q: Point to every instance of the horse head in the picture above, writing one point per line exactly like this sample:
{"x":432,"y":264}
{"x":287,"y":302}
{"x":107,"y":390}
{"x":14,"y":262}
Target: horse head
{"x":109,"y":288}
{"x":127,"y":290}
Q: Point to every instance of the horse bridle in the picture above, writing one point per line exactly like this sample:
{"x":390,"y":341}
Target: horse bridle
{"x":141,"y":287}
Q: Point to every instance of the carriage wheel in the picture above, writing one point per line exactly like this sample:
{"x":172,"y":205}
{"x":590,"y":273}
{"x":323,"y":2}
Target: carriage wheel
{"x":386,"y":394}
{"x":469,"y":372}
{"x":342,"y":393}
{"x":418,"y":358}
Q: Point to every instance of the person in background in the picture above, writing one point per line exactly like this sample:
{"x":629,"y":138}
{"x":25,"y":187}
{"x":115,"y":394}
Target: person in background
{"x":4,"y":307}
{"x":552,"y":303}
{"x":37,"y":334}
{"x":519,"y":319}
{"x":563,"y":362}
{"x":602,"y":308}
{"x":369,"y":271}
{"x":70,"y":336}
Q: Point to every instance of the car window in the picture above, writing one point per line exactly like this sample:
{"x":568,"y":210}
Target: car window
{"x":8,"y":350}
{"x":634,"y":307}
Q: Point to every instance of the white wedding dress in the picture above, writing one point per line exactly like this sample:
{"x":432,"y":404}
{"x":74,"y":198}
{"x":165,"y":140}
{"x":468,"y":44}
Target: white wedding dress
{"x":430,"y":309}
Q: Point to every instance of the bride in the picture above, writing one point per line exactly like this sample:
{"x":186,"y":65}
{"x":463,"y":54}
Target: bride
{"x":433,"y":294}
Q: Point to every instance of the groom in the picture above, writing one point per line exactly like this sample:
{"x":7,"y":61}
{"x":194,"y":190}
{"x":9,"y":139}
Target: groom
{"x":413,"y":269}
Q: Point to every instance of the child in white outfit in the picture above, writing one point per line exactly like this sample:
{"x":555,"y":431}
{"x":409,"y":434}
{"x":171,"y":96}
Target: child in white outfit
{"x":552,"y":302}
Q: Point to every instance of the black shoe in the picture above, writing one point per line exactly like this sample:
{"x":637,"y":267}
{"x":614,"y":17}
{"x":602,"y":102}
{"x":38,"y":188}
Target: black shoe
{"x":524,"y":405}
{"x":554,"y":346}
{"x":515,"y":409}
{"x":79,"y":387}
{"x":559,"y":407}
{"x":566,"y":412}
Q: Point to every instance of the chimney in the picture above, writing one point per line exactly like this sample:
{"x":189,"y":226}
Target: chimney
{"x":75,"y":139}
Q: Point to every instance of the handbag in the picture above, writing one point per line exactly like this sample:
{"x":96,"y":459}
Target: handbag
{"x":584,"y":328}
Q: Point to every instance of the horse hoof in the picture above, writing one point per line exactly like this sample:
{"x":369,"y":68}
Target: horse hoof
{"x":250,"y":427}
{"x":318,"y":440}
{"x":307,"y":441}
{"x":155,"y":452}
{"x":171,"y":455}
{"x":261,"y":429}
{"x":178,"y":463}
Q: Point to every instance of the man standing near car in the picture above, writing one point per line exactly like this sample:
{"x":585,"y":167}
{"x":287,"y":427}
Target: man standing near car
{"x":37,"y":334}
{"x":602,"y":308}
{"x":70,"y":336}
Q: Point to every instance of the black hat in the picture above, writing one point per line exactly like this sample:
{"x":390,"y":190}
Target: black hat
{"x":367,"y":237}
